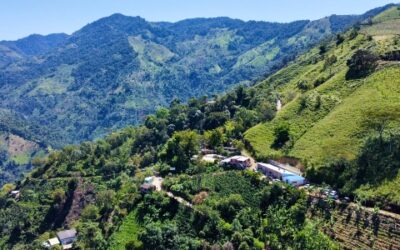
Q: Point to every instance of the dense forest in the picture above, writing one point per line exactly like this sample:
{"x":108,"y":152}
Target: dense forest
{"x":95,"y":187}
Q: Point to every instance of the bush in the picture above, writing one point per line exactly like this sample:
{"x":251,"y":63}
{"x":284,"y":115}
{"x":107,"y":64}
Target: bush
{"x":329,"y":61}
{"x":361,"y":64}
{"x":282,"y":135}
{"x":339,"y":39}
{"x":319,"y":81}
{"x":303,"y":85}
{"x":322,"y":49}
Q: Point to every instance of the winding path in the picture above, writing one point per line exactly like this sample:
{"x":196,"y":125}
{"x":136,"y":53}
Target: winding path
{"x":157,"y":182}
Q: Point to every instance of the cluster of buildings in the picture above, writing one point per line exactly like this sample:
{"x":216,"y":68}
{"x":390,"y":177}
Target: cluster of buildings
{"x":273,"y":170}
{"x":64,"y":238}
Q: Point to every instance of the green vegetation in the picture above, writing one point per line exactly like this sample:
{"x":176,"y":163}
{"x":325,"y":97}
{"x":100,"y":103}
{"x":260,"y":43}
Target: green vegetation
{"x":127,"y":233}
{"x":115,"y":71}
{"x":354,"y":96}
{"x":94,"y":187}
{"x":340,"y":119}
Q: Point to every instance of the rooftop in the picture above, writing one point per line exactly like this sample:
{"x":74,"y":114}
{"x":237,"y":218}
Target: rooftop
{"x":294,"y":178}
{"x":240,"y":158}
{"x":66,"y":234}
{"x":277,"y":169}
{"x":54,"y":241}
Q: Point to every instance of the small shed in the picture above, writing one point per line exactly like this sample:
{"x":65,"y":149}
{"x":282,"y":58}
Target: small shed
{"x":67,"y":237}
{"x":51,"y":243}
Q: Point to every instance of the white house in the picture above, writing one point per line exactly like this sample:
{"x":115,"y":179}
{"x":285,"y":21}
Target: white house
{"x":51,"y":242}
{"x":212,"y":157}
{"x":15,"y":194}
{"x":275,"y":172}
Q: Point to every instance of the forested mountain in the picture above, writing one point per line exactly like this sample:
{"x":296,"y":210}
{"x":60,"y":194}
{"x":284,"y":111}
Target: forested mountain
{"x":19,"y":143}
{"x":114,"y":71}
{"x":339,"y":120}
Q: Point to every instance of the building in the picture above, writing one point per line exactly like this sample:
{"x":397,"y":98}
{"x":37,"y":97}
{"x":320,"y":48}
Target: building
{"x":276,"y":172}
{"x":238,"y":161}
{"x":232,"y":150}
{"x":294,"y":180}
{"x":148,"y":180}
{"x":212,"y":158}
{"x":206,"y":151}
{"x":51,"y":242}
{"x":147,"y":188}
{"x":15,"y":194}
{"x":67,"y":238}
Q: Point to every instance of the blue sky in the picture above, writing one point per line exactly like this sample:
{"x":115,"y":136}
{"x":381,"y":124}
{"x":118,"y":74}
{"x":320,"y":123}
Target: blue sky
{"x":19,"y":18}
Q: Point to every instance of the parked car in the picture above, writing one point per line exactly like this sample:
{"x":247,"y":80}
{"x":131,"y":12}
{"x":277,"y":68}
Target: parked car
{"x":333,"y":194}
{"x":346,"y":200}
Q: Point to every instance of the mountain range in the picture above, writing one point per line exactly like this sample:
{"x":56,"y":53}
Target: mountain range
{"x":64,"y":89}
{"x":333,"y":112}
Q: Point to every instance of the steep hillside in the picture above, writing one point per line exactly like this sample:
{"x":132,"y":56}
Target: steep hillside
{"x":16,"y":154}
{"x":20,"y":142}
{"x":332,"y":104}
{"x":96,"y":188}
{"x":113,"y":72}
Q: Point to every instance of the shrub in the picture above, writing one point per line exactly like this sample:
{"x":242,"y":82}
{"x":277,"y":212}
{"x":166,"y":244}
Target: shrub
{"x":302,"y":85}
{"x":322,"y":49}
{"x":361,"y":64}
{"x":339,"y":39}
{"x":282,"y":135}
{"x":329,"y":61}
{"x":319,"y":81}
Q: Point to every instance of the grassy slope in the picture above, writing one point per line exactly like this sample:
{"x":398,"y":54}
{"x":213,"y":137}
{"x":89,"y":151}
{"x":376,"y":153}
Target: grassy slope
{"x":341,"y":132}
{"x":127,"y":232}
{"x":336,"y":129}
{"x":333,"y":130}
{"x":331,"y":93}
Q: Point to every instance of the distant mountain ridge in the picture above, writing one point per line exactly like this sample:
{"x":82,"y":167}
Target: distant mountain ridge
{"x":134,"y":65}
{"x":33,"y":45}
